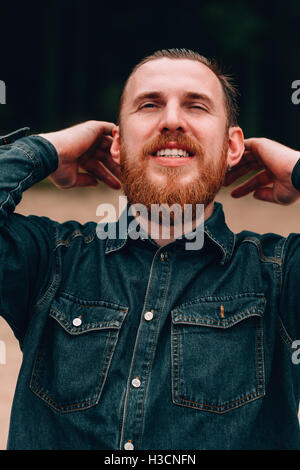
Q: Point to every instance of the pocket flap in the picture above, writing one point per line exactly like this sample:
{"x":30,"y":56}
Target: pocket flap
{"x":221,"y":312}
{"x":80,"y":316}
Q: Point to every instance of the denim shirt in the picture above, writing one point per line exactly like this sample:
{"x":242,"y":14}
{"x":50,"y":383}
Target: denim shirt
{"x":126,"y":343}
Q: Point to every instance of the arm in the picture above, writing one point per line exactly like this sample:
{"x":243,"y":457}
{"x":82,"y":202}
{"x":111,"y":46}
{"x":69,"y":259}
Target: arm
{"x":27,"y":243}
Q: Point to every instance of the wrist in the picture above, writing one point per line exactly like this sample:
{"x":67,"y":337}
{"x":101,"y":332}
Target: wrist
{"x":55,"y":140}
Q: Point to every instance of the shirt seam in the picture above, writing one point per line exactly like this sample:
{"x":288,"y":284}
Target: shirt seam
{"x":35,"y":163}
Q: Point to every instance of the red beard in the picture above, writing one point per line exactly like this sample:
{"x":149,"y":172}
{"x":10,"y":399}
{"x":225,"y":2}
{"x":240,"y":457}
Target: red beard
{"x":202,"y":190}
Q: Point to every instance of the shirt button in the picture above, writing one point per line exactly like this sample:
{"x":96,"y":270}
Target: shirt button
{"x":148,"y":316}
{"x":128,"y":446}
{"x":163,"y":256}
{"x":136,"y":383}
{"x":77,"y":321}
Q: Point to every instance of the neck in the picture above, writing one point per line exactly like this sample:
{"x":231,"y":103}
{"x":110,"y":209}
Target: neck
{"x":158,"y":233}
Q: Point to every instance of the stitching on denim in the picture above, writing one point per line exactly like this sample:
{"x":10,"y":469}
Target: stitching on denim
{"x":16,"y":189}
{"x":35,"y":163}
{"x":66,"y":408}
{"x":223,"y":248}
{"x":29,"y":155}
{"x":226,"y":406}
{"x":116,"y":248}
{"x":80,"y":404}
{"x":152,"y":350}
{"x":226,"y":323}
{"x":208,"y":299}
{"x":105,"y":367}
{"x":284,"y":334}
{"x":266,"y":259}
{"x":85,"y":303}
{"x":281,"y":257}
{"x":77,"y":233}
{"x":51,"y":288}
{"x":89,"y":326}
{"x":204,"y":407}
{"x":262,"y":349}
{"x":282,"y":330}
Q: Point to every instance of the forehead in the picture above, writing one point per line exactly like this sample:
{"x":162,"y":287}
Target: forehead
{"x":173,"y":76}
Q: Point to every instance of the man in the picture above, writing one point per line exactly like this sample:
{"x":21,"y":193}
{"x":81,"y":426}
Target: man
{"x":139,"y":343}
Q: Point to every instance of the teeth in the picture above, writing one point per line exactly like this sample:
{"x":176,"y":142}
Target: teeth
{"x":177,"y":153}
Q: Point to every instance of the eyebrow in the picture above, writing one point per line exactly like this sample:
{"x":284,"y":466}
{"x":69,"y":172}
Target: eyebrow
{"x":190,"y":95}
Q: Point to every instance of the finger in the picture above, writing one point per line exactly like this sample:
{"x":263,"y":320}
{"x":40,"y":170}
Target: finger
{"x":256,"y":182}
{"x":106,"y":128}
{"x":264,"y":194}
{"x":98,"y":170}
{"x":248,"y":158}
{"x":98,"y":132}
{"x":105,"y":143}
{"x":108,"y":161}
{"x":251,"y":143}
{"x":241,"y":169}
{"x":85,"y":179}
{"x":237,"y":173}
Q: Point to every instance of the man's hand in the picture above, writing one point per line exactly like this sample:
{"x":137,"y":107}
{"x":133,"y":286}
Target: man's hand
{"x":84,"y":146}
{"x":273,"y":182}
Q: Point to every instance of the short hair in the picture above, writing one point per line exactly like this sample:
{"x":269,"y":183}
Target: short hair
{"x":229,"y":88}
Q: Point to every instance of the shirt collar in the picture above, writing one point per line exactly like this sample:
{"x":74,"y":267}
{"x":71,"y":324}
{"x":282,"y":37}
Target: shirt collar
{"x":215,"y":230}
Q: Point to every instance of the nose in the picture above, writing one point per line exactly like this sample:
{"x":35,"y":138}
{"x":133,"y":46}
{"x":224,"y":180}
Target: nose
{"x":172,"y":118}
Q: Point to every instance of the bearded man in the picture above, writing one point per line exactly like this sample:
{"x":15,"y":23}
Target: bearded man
{"x":137,"y":343}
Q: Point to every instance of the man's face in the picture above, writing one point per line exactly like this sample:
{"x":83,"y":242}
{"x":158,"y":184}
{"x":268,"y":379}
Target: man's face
{"x":173,"y":137}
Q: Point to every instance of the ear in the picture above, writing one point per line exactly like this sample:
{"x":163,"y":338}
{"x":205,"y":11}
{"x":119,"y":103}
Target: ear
{"x":115,"y":146}
{"x":236,"y":145}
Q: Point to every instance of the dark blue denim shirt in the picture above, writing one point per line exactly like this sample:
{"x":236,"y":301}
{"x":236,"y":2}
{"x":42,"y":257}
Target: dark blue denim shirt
{"x":126,"y":343}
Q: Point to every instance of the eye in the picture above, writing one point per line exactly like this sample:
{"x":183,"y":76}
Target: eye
{"x":148,"y":105}
{"x":198,"y":106}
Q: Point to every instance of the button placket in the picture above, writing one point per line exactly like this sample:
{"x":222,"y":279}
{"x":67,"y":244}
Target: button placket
{"x":128,"y":445}
{"x":136,"y":383}
{"x":144,"y":351}
{"x":149,"y":315}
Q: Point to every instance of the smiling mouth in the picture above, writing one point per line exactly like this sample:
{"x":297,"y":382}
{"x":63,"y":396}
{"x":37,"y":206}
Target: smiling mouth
{"x":173,"y":153}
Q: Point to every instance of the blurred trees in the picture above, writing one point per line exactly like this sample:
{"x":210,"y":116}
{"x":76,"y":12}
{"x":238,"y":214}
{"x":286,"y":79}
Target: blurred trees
{"x":66,"y":61}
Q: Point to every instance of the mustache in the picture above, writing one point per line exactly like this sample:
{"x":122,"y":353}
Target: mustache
{"x":183,"y":141}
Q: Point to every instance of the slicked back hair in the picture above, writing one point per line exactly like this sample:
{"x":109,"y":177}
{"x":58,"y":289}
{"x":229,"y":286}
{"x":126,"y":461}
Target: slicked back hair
{"x":229,"y":88}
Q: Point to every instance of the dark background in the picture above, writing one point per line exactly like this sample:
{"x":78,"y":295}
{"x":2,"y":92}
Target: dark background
{"x":65,"y":61}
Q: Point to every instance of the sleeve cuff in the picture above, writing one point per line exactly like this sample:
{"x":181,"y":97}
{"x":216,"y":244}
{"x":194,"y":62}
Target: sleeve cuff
{"x":42,"y":152}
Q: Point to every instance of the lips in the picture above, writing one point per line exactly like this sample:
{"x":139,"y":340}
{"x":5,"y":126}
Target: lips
{"x":173,"y":150}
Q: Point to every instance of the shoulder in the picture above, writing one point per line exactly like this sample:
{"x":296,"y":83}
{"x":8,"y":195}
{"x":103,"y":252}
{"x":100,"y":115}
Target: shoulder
{"x":70,"y":230}
{"x":268,"y":246}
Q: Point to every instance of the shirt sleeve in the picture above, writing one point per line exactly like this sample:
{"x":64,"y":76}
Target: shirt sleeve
{"x":290,"y":278}
{"x":26,"y":243}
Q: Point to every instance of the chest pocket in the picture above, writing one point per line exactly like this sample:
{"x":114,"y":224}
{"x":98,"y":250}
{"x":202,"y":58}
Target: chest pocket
{"x":75,"y":352}
{"x":217,"y":352}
